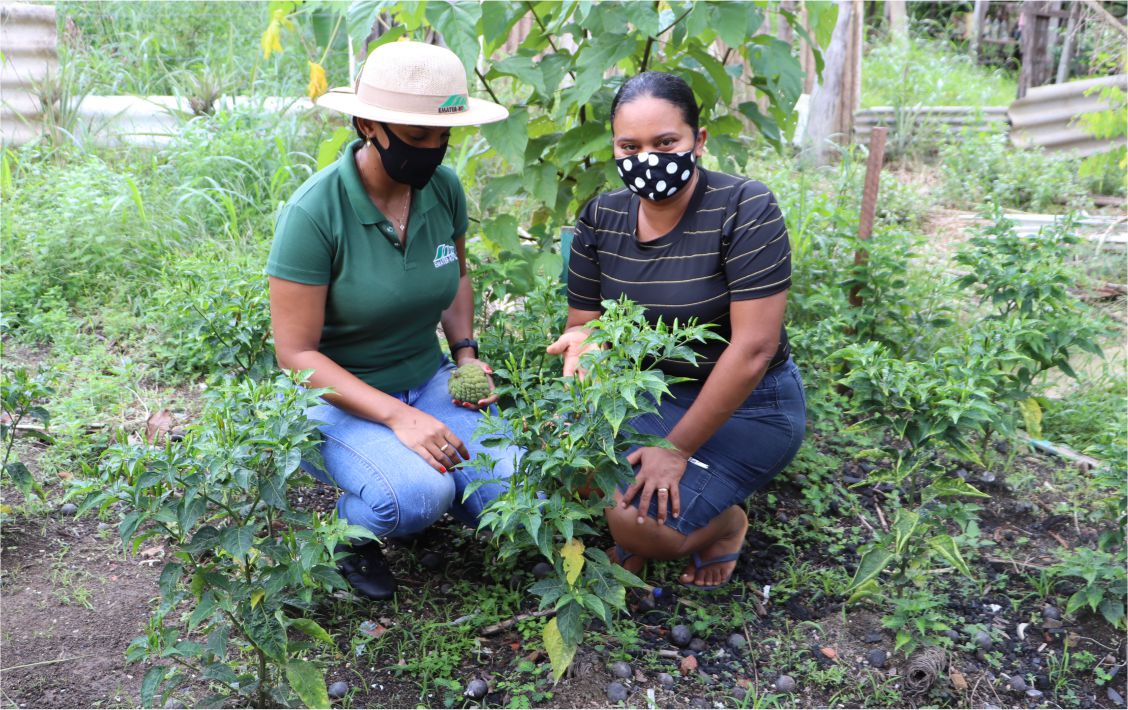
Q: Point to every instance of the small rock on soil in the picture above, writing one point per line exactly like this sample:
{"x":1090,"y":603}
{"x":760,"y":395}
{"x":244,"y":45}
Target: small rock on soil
{"x":617,"y":692}
{"x":873,"y":637}
{"x":1050,"y":611}
{"x":619,"y":669}
{"x":983,"y":640}
{"x":1034,"y":694}
{"x":1017,"y":683}
{"x":737,"y":641}
{"x":477,"y":689}
{"x":431,"y":561}
{"x":1115,"y":697}
{"x":542,"y":570}
{"x":877,"y":657}
{"x":68,"y":509}
{"x":173,"y":704}
{"x":338,"y":690}
{"x":698,"y":644}
{"x":785,"y":684}
{"x":681,"y":635}
{"x":665,"y":679}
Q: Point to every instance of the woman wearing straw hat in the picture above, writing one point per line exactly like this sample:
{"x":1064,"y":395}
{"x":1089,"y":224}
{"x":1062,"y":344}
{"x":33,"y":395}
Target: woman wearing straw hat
{"x":368,"y":258}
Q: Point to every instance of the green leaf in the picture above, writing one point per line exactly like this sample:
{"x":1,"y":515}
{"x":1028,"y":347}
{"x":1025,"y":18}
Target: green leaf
{"x":457,"y":22}
{"x":543,"y":183}
{"x":129,"y":524}
{"x":946,"y":547}
{"x":238,"y":541}
{"x":870,"y":566}
{"x":822,"y":16}
{"x":204,"y":539}
{"x":266,"y":633}
{"x":273,"y":489}
{"x":582,"y":141}
{"x":150,"y":683}
{"x":560,"y":653}
{"x":524,"y":70}
{"x":596,"y":58}
{"x":497,"y":189}
{"x":311,"y":628}
{"x":203,"y":610}
{"x":330,"y":149}
{"x":951,"y":486}
{"x":308,"y":682}
{"x":644,"y":17}
{"x":170,"y":576}
{"x":736,"y":21}
{"x":569,"y":619}
{"x":501,"y":232}
{"x":509,"y":137}
{"x":903,"y":528}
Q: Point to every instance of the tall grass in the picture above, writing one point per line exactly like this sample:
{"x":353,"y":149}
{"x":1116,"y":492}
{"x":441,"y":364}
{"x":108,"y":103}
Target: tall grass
{"x":175,"y":48}
{"x":915,"y":71}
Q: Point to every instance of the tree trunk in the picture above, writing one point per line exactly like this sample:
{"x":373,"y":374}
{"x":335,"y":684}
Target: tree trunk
{"x":898,"y":19}
{"x":1067,"y":44}
{"x":827,"y":100}
{"x":977,"y":19}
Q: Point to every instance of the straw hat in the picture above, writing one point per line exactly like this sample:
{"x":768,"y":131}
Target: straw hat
{"x":416,"y":84}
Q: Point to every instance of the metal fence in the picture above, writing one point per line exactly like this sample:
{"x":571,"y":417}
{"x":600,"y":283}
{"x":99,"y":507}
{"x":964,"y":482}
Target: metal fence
{"x":1047,"y":115}
{"x":914,"y":119}
{"x":30,"y":62}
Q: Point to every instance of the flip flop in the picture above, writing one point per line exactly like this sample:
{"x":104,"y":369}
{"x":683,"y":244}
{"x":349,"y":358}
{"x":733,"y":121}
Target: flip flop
{"x":622,"y":555}
{"x":699,"y":564}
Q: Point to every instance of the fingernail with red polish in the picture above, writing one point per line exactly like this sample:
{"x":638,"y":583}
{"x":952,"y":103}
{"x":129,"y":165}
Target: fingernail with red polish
{"x":442,"y":469}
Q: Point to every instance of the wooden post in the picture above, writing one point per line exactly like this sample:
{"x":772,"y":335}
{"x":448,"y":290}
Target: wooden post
{"x":869,"y":198}
{"x":977,"y":18}
{"x":1051,"y":38}
{"x":1035,"y":22}
{"x":1068,"y":43}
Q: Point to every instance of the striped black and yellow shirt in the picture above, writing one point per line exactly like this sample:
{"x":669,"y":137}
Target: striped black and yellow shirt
{"x":730,"y":245}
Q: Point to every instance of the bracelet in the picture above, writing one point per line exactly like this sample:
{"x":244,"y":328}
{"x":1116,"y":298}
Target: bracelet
{"x":464,"y":343}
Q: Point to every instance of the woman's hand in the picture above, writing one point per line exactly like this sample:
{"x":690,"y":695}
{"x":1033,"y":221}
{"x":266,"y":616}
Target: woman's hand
{"x":660,"y":473}
{"x":482,"y":403}
{"x":571,"y":344}
{"x":428,"y":437}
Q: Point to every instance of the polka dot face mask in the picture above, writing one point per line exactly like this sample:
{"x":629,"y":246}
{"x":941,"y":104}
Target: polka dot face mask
{"x":656,"y":176}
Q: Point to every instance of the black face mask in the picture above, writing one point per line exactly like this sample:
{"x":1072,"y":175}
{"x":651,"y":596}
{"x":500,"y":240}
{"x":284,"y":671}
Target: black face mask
{"x":406,"y":163}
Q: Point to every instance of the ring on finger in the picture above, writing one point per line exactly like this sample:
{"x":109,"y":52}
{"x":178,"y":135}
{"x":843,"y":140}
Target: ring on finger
{"x":444,"y":447}
{"x":663,"y":490}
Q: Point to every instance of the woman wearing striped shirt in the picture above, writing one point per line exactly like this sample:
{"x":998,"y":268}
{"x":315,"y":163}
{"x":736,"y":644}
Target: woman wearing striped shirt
{"x":690,"y":243}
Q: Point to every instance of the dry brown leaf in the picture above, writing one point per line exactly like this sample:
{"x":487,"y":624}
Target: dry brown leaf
{"x":376,"y":632}
{"x":66,"y":475}
{"x":829,"y":652}
{"x":958,"y":680}
{"x":152,"y":551}
{"x":158,"y":426}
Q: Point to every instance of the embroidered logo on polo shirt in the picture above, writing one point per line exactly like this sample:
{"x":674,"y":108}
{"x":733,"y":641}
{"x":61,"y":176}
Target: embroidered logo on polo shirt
{"x":455,"y":103}
{"x":444,"y":254}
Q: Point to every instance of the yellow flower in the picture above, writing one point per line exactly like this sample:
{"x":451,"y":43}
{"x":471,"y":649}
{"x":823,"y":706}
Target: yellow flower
{"x":318,"y":84}
{"x":272,"y":39}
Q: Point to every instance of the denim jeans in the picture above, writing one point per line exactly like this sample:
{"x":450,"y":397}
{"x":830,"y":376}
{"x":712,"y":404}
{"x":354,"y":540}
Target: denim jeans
{"x":749,"y":450}
{"x":388,"y":488}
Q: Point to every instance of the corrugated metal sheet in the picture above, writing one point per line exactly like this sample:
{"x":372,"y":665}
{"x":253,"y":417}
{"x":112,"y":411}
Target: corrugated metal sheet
{"x":1047,"y":116}
{"x":952,"y":118}
{"x":27,"y":41}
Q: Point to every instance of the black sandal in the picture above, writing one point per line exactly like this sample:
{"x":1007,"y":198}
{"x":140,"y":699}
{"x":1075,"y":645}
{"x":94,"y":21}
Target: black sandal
{"x":365,"y":568}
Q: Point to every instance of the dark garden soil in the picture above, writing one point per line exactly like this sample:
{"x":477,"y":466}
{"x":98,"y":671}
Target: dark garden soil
{"x":72,"y":601}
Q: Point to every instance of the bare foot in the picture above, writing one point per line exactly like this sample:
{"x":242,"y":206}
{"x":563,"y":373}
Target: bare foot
{"x":634,"y":563}
{"x":734,"y":527}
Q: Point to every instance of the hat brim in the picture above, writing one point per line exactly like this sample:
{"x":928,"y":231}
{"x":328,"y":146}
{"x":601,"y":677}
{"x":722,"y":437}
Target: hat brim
{"x":478,"y":111}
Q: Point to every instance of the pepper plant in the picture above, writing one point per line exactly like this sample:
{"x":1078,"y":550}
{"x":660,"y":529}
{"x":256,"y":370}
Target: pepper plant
{"x":575,"y":433}
{"x":245,"y":563}
{"x":21,"y":399}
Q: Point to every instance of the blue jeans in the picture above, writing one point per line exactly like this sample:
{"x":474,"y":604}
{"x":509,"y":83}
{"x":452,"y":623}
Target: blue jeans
{"x":749,"y":450}
{"x":390,"y":489}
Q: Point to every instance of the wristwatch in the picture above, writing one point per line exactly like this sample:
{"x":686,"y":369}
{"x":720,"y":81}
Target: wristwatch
{"x":464,"y":343}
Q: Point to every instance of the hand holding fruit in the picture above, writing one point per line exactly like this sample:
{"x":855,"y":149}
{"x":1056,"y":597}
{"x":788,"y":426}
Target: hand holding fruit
{"x":471,"y":386}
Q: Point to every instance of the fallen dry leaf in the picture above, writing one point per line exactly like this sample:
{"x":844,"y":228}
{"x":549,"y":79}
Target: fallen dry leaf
{"x":688,"y":665}
{"x":152,"y":551}
{"x":829,"y":652}
{"x":66,"y":475}
{"x":958,"y":680}
{"x":534,"y":656}
{"x":158,"y":426}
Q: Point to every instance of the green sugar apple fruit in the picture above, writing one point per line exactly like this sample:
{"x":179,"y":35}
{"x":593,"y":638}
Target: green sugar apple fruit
{"x":469,"y":383}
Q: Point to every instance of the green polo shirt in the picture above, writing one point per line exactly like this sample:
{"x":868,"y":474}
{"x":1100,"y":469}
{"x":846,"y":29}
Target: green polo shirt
{"x":384,"y":301}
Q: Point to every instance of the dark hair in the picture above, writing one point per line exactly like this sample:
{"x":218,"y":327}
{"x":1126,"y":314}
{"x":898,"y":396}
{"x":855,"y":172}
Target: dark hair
{"x":660,"y":85}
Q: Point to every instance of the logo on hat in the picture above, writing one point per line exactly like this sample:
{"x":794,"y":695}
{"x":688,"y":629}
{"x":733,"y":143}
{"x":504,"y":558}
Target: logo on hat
{"x":455,"y":103}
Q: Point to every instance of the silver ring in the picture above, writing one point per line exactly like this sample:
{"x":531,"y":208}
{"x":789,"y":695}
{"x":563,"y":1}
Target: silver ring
{"x":663,"y":490}
{"x":444,"y":447}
